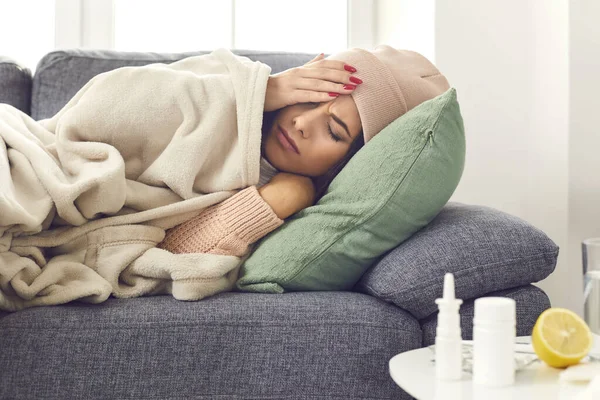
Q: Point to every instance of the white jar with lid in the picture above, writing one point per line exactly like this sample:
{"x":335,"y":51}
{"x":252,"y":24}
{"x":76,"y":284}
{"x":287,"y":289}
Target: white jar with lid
{"x":494,"y":333}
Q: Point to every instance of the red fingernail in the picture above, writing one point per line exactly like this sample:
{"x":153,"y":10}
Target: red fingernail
{"x":355,"y":79}
{"x":349,"y":68}
{"x":349,"y":87}
{"x":334,"y":94}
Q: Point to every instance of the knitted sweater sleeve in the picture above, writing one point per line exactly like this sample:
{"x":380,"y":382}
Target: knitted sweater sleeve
{"x":226,"y":228}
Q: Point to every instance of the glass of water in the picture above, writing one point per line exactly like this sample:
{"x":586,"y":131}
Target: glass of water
{"x":591,"y":283}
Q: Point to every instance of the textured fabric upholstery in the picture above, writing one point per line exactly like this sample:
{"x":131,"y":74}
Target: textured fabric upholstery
{"x":326,"y":345}
{"x":486,"y":249}
{"x":15,"y":84}
{"x":60,"y":74}
{"x":531,"y":301}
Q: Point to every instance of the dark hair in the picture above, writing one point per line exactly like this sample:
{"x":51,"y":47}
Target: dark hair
{"x":322,"y":182}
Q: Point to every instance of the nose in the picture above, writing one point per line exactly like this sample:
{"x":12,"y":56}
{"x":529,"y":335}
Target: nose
{"x":304,"y":124}
{"x":299,"y":123}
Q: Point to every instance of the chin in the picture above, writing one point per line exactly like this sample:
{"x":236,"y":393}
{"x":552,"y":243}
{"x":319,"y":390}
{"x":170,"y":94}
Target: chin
{"x":273,"y":155}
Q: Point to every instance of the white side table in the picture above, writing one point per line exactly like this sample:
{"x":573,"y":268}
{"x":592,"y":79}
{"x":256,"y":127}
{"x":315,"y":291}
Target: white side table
{"x":414,"y":372}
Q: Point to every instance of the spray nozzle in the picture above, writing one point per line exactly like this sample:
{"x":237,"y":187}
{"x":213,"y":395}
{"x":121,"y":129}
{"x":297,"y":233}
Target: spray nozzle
{"x":449,"y":287}
{"x":448,"y":345}
{"x":448,"y":296}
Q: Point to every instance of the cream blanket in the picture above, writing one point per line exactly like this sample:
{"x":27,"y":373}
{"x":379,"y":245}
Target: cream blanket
{"x":86,"y":195}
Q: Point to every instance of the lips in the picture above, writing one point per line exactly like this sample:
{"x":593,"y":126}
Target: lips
{"x":289,"y":139}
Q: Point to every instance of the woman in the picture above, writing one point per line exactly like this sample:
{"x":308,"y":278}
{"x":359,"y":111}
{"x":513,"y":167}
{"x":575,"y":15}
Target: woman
{"x":98,"y":195}
{"x":313,"y":135}
{"x":317,"y":117}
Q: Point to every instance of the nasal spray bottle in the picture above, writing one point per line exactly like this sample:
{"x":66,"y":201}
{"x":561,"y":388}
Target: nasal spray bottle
{"x":448,"y":340}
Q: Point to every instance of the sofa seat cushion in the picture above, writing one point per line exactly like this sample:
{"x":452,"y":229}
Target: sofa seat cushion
{"x":531,"y":302}
{"x":289,"y":346}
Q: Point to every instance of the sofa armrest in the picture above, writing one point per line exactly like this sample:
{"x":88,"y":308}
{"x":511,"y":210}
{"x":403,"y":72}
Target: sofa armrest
{"x":486,"y":249}
{"x":15,"y":84}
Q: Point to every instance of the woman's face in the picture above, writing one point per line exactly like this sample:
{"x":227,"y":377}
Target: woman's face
{"x":309,"y":125}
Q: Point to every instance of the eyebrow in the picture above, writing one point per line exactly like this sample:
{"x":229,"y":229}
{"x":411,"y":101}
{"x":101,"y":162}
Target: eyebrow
{"x":339,"y":121}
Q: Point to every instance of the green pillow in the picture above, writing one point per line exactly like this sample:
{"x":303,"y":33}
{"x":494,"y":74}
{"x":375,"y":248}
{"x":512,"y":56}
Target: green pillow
{"x":392,"y":187}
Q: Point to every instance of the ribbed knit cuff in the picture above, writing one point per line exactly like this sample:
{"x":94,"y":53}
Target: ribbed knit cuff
{"x":228,"y":227}
{"x":248,"y":215}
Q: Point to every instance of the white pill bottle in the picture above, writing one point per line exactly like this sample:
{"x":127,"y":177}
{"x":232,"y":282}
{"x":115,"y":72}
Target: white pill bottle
{"x":494,"y":333}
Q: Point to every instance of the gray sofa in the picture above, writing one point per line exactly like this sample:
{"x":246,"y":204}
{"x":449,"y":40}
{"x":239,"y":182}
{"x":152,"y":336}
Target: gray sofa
{"x":303,"y":345}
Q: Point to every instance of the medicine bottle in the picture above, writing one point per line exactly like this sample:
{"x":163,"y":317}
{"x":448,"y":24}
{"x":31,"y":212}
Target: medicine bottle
{"x":494,"y":333}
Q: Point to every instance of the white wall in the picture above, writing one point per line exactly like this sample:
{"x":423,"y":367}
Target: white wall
{"x":550,"y":139}
{"x":406,"y":24}
{"x":509,"y":61}
{"x":584,"y":125}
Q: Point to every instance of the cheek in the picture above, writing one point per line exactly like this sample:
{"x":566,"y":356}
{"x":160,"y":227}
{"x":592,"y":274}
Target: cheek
{"x":274,"y":152}
{"x":326,"y":155}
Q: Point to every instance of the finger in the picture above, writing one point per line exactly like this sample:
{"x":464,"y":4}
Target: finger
{"x":318,"y":57}
{"x":309,"y":96}
{"x":319,"y":85}
{"x":333,"y":64}
{"x":332,"y":75}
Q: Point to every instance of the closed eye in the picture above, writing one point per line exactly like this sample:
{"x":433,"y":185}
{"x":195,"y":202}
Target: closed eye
{"x":333,"y":135}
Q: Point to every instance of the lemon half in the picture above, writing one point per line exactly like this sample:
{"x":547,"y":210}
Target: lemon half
{"x":561,"y":338}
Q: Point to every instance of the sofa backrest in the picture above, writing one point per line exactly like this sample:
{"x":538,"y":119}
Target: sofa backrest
{"x":15,"y":84}
{"x":60,"y":74}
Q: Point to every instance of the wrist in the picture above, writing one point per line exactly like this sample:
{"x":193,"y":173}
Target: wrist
{"x":271,"y":196}
{"x":271,"y":94}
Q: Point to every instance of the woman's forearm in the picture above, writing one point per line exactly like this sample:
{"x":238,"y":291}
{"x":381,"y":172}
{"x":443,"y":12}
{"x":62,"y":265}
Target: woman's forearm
{"x":225,"y":228}
{"x":287,"y":194}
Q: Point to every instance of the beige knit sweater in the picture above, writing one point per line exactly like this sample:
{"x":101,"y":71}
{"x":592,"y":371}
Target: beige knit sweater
{"x":229,"y":227}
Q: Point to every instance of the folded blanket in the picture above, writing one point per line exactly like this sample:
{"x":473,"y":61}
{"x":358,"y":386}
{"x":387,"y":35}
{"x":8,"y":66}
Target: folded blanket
{"x":86,"y":195}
